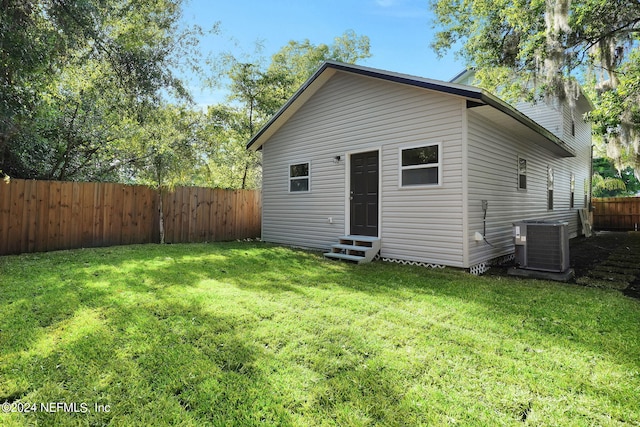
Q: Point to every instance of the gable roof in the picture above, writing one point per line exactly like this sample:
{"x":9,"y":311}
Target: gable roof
{"x":583,"y":102}
{"x":475,"y":97}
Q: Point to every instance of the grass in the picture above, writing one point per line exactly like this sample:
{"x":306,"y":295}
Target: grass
{"x":252,"y":334}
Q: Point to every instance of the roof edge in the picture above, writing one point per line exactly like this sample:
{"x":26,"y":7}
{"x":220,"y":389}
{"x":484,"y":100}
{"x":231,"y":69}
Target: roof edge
{"x":469,"y":92}
{"x":282,"y":109}
{"x":513,"y":112}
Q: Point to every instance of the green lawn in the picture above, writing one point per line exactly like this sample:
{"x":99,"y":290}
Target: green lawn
{"x":251,"y":334}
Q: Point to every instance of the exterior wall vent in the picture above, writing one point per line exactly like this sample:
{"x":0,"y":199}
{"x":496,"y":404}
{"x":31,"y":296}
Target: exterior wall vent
{"x":542,"y":245}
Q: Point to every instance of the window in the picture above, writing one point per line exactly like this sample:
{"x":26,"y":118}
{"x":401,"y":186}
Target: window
{"x":572,"y":189}
{"x":522,"y":173}
{"x":549,"y":188}
{"x":299,"y":177}
{"x":420,"y":165}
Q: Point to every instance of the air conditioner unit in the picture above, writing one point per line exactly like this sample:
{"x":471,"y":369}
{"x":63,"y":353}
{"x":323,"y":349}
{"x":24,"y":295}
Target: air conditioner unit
{"x":542,"y":245}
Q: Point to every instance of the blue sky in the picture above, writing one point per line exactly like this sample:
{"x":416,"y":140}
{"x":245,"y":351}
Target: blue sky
{"x":400,"y":31}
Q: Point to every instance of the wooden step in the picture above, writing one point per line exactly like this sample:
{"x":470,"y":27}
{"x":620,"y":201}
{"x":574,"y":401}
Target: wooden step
{"x":355,"y":248}
{"x":351,"y":247}
{"x":347,"y":257}
{"x":359,"y":238}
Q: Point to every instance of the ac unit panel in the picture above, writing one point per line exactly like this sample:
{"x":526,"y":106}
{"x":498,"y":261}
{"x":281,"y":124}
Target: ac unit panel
{"x":545,"y":246}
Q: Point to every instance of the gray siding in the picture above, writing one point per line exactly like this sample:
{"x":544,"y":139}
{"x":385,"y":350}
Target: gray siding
{"x":354,"y":114}
{"x":547,"y":115}
{"x":492,"y":175}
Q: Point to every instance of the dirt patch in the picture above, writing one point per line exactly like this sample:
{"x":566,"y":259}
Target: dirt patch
{"x":608,"y":260}
{"x":605,"y":260}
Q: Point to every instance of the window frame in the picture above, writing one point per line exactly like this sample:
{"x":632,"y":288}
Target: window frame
{"x":299,"y":178}
{"x":519,"y":174}
{"x":437,"y":165}
{"x":572,"y":190}
{"x":550,"y":187}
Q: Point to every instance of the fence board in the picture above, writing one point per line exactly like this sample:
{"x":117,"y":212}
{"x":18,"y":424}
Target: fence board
{"x":76,"y":216}
{"x":219,"y":214}
{"x":5,"y":211}
{"x":41,"y":228}
{"x":211,"y":211}
{"x":66,"y":195}
{"x":107,"y":214}
{"x":98,"y":216}
{"x":193,"y":217}
{"x":38,"y":216}
{"x":15,"y":218}
{"x":616,"y":213}
{"x":142,"y":217}
{"x":53,"y":216}
{"x":184,"y":214}
{"x":203,"y":215}
{"x":87,"y":210}
{"x":29,"y":217}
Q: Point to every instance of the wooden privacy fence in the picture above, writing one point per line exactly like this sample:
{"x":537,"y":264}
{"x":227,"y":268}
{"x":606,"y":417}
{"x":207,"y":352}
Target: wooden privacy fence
{"x":616,"y":213}
{"x":38,"y":216}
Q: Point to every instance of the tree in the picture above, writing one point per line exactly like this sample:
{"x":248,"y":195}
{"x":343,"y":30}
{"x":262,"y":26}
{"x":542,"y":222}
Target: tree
{"x":168,"y":150}
{"x":255,"y":95}
{"x":75,"y":77}
{"x":299,"y":60}
{"x":543,"y":48}
{"x":227,"y":163}
{"x":258,"y":91}
{"x":75,"y":132}
{"x":607,"y":181}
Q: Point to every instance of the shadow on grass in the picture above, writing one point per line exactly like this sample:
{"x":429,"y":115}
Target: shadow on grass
{"x":128,"y":327}
{"x":75,"y":335}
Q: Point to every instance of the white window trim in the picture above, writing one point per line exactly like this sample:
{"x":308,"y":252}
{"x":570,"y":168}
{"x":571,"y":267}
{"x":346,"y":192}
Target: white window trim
{"x":526,"y":173}
{"x":290,"y":178}
{"x":551,"y":180}
{"x":572,"y":190}
{"x":427,"y":166}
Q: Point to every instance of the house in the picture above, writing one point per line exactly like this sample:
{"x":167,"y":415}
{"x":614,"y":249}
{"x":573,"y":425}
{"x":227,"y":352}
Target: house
{"x":434,"y":172}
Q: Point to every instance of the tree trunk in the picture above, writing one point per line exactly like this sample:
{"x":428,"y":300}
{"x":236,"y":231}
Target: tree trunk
{"x":161,"y":216}
{"x":244,"y":176}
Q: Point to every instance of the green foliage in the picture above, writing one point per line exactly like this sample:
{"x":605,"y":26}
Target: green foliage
{"x":87,"y":86}
{"x":168,"y":147}
{"x":257,"y":92}
{"x":76,"y":76}
{"x":228,"y":164}
{"x":299,"y":60}
{"x":528,"y":49}
{"x":607,"y":181}
{"x":251,"y":334}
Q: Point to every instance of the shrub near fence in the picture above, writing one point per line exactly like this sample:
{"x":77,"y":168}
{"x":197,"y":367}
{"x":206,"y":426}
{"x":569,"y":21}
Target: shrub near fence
{"x":616,"y":213}
{"x":38,"y":216}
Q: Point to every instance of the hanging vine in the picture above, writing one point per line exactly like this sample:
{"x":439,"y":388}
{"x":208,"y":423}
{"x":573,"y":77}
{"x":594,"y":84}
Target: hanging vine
{"x":547,"y":49}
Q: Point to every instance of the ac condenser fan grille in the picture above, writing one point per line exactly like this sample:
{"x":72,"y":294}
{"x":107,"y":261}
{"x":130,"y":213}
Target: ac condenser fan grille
{"x":544,"y":248}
